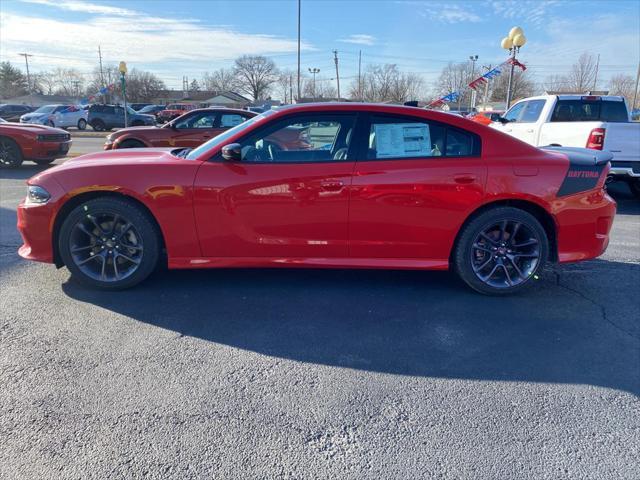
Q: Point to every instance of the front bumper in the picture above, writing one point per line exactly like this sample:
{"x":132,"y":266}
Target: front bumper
{"x":49,"y":150}
{"x":36,"y":226}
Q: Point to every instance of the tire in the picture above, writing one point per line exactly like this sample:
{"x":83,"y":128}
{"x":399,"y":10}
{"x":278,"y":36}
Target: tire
{"x":634,"y":186}
{"x":46,"y":161}
{"x":98,"y":125}
{"x":10,"y":153}
{"x":99,"y":240}
{"x":494,"y":257}
{"x":82,"y":124}
{"x":131,"y":143}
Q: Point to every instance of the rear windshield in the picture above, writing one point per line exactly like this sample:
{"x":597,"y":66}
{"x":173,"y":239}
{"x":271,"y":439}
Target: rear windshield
{"x":589,"y":111}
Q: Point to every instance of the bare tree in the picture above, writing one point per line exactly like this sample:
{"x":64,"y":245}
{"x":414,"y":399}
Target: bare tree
{"x":623,"y":85}
{"x":194,"y":86}
{"x":323,"y":88}
{"x":285,"y":85}
{"x":221,"y":80}
{"x":556,"y":83}
{"x":69,"y":82}
{"x":143,"y":86}
{"x":521,"y":87}
{"x":455,"y":78}
{"x":583,"y":72}
{"x":386,"y":83}
{"x":45,"y":82}
{"x":255,"y":74}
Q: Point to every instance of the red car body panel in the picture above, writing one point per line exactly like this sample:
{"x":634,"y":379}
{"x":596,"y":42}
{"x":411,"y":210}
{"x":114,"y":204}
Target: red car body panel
{"x":26,"y":136}
{"x":369,"y":214}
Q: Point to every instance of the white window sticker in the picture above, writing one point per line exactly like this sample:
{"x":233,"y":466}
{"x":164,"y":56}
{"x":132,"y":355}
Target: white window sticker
{"x":402,"y":140}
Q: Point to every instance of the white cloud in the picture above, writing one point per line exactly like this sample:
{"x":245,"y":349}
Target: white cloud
{"x":78,"y":6}
{"x":535,"y":12}
{"x":446,"y":12}
{"x":359,"y":39}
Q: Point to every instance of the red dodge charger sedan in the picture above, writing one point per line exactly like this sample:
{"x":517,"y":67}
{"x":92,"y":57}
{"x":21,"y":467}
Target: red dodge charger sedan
{"x":376,"y":186}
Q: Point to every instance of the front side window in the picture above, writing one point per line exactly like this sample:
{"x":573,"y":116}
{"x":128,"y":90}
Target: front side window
{"x":404,"y":138}
{"x":514,"y":113}
{"x":301,"y":139}
{"x":532,"y":111}
{"x":198,"y":120}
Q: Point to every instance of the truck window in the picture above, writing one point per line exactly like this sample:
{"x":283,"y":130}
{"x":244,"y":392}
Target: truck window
{"x":514,"y":112}
{"x":532,"y":111}
{"x":589,"y":111}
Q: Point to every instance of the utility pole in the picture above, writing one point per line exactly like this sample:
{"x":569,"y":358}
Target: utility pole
{"x":313,"y":71}
{"x":335,"y":59}
{"x":101,"y":70}
{"x":635,"y":92}
{"x":359,"y":76}
{"x":26,"y":61}
{"x":486,"y":86}
{"x":299,"y":6}
{"x":595,"y":77}
{"x":290,"y":89}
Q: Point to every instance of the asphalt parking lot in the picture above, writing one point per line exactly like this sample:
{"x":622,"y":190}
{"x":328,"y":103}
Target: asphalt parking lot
{"x":320,"y":374}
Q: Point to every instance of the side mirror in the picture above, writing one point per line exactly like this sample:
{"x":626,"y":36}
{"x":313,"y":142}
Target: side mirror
{"x":232,"y":152}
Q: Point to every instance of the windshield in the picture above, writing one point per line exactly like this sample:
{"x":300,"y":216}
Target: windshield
{"x":131,"y":111}
{"x":148,"y":108}
{"x":223,"y":137}
{"x":46,"y":109}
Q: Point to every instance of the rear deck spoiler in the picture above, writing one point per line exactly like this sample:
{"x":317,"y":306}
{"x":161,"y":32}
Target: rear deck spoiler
{"x":586,"y":157}
{"x":585,"y":168}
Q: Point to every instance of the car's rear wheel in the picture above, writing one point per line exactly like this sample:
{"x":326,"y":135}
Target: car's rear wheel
{"x":82,"y":124}
{"x":109,"y":243}
{"x":131,"y":144}
{"x":10,"y":153}
{"x":501,"y":250}
{"x":98,"y":125}
{"x":634,"y":186}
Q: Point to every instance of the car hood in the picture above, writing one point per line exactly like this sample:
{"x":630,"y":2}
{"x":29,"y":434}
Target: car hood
{"x":129,"y":155}
{"x":35,"y":128}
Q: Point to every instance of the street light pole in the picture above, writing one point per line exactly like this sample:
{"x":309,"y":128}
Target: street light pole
{"x":474,"y":59}
{"x":314,"y":71}
{"x":123,"y":71}
{"x":513,"y":42}
{"x":299,"y":7}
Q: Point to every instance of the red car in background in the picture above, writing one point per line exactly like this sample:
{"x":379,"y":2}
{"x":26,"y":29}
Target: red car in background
{"x":188,"y":130}
{"x":376,"y":186}
{"x":174,"y":110}
{"x":39,"y":143}
{"x":486,"y":118}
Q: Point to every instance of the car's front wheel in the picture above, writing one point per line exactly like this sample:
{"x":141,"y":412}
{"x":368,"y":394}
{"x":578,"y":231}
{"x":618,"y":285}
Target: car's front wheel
{"x":82,"y":124}
{"x":98,"y":125}
{"x":109,"y":243}
{"x":10,"y":153}
{"x":501,"y":250}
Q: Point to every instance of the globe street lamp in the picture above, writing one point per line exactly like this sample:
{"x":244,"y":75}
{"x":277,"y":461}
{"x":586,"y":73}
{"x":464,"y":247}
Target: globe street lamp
{"x":472,"y":100}
{"x":123,"y":71}
{"x":513,"y":42}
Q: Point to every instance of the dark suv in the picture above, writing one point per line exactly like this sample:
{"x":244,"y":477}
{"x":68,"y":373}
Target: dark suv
{"x":12,"y":113}
{"x":106,"y":117}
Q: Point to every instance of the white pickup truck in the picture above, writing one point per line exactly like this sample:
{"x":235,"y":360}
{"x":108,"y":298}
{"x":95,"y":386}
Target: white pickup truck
{"x":591,"y":121}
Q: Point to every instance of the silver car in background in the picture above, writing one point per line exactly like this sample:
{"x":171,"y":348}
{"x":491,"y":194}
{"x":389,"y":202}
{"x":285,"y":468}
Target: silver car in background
{"x":62,"y":116}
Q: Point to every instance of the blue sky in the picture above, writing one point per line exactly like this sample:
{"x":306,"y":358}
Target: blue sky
{"x":176,"y":38}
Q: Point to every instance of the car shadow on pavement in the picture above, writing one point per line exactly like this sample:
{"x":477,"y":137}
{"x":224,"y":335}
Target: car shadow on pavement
{"x":405,"y":322}
{"x":628,"y":203}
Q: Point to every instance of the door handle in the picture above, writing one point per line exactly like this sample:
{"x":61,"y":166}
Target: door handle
{"x":530,"y":130}
{"x":332,"y":185}
{"x":464,"y":178}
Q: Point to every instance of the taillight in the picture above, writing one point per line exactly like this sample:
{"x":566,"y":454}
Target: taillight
{"x":596,"y":139}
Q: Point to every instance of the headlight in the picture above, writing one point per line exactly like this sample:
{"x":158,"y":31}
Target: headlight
{"x":109,"y":139}
{"x":37,"y":195}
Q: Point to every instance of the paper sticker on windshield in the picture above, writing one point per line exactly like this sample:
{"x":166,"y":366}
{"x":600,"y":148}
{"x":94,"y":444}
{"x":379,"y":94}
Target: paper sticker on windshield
{"x":393,"y":140}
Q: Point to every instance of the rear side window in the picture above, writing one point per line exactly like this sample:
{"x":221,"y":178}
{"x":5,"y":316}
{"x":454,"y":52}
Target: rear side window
{"x":391,"y":137}
{"x":589,"y":111}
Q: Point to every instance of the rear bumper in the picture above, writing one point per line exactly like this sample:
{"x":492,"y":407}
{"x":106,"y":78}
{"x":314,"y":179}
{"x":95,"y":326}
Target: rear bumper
{"x":625,"y":169}
{"x":584,"y":222}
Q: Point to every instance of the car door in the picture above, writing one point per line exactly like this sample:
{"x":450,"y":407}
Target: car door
{"x":522,"y":120}
{"x":287,"y":198}
{"x":414,"y":182}
{"x":191,"y":130}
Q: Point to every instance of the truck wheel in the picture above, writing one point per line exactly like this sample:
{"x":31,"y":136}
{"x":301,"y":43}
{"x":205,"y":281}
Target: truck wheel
{"x":82,"y":124}
{"x":634,"y":186}
{"x":10,"y":153}
{"x":500,"y":250}
{"x":98,"y":125}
